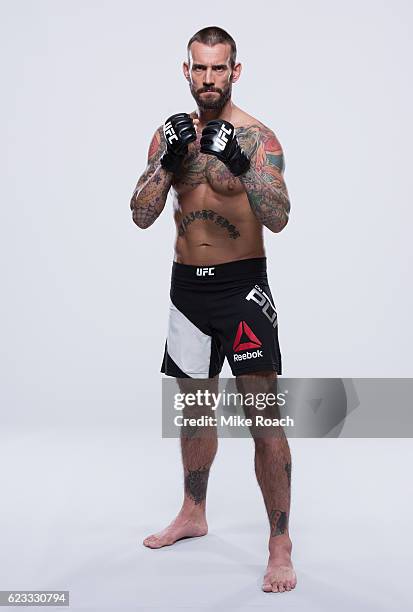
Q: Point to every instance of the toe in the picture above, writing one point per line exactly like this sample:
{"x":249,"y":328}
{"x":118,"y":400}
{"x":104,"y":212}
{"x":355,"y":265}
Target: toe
{"x":275,"y":587}
{"x":151,"y":542}
{"x":148,"y":538}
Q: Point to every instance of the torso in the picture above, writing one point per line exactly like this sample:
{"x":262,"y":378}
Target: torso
{"x":214,"y":220}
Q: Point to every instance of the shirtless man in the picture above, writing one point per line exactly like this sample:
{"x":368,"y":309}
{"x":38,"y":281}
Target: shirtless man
{"x":225,"y":169}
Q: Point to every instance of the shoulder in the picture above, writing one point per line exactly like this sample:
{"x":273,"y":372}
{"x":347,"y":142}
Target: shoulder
{"x":256,"y":135}
{"x":156,"y":142}
{"x":270,"y":140}
{"x":261,"y":143}
{"x":262,"y":133}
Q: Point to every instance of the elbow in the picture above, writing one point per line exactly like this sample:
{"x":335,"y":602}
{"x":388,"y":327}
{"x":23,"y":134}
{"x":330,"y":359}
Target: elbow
{"x":139,"y":215}
{"x":140,"y":220}
{"x":141,"y":224}
{"x":283,"y":224}
{"x":277,"y":227}
{"x":279,"y":217}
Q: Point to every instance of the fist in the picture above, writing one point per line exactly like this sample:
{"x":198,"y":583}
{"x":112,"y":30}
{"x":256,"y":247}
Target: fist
{"x":219,"y":139}
{"x":179,"y":131}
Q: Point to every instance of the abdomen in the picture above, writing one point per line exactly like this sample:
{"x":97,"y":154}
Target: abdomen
{"x":213,"y":228}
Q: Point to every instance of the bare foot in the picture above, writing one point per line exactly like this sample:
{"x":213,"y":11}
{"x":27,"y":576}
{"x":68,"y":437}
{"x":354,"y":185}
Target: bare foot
{"x":181,"y":527}
{"x":280,"y":575}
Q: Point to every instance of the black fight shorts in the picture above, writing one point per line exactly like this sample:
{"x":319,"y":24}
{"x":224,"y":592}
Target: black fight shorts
{"x":225,"y":310}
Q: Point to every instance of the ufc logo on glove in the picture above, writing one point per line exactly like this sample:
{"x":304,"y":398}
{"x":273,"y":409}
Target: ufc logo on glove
{"x":222,"y":138}
{"x":170,"y":133}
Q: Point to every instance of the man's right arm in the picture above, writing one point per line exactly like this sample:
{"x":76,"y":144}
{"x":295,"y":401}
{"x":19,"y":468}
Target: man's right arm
{"x":148,"y":199}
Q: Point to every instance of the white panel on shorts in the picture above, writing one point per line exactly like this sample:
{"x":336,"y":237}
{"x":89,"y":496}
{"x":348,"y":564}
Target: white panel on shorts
{"x":187,"y":345}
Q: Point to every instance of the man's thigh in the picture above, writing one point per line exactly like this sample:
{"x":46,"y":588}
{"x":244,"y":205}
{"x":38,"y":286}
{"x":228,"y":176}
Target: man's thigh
{"x":259,"y":392}
{"x":199,"y":414}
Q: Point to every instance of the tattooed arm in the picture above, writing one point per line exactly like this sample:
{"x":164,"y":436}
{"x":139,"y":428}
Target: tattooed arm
{"x":148,"y":199}
{"x":266,"y":190}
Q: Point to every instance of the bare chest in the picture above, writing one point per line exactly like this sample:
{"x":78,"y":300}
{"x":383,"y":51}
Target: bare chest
{"x":200,"y":169}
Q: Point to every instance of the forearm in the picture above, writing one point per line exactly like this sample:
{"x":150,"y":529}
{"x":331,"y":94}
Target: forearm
{"x":268,"y":198}
{"x":149,"y":197}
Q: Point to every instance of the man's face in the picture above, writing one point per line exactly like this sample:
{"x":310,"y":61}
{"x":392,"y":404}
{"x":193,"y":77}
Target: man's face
{"x":210,"y":75}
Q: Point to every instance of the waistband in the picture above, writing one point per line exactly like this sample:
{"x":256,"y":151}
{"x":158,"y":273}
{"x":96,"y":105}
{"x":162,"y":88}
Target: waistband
{"x":242,"y":269}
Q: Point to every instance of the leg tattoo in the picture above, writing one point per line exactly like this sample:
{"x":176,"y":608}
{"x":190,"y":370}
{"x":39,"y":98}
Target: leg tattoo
{"x":288,"y":470}
{"x":196,"y":483}
{"x":278,"y":522}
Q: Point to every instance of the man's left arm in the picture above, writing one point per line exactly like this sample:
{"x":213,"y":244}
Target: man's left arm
{"x":264,"y":183}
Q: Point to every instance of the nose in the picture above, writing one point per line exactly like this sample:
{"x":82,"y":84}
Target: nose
{"x":208,"y":77}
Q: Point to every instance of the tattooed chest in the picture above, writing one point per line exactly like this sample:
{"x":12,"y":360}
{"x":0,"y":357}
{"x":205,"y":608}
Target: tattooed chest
{"x":201,"y":169}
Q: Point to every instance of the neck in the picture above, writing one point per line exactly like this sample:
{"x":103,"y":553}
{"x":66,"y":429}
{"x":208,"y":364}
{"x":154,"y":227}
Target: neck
{"x":225,"y":112}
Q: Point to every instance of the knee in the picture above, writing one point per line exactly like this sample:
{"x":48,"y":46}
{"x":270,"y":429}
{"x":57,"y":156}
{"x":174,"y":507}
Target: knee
{"x":256,"y":381}
{"x":264,"y":444}
{"x":262,"y":375}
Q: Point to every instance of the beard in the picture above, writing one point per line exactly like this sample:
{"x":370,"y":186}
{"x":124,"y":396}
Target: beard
{"x":215,"y":103}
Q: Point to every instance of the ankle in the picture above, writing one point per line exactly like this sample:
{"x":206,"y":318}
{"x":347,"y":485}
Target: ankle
{"x":193,"y":513}
{"x":280,"y":543}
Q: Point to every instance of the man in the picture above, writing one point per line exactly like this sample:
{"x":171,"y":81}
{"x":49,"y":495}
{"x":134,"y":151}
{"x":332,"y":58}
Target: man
{"x":225,"y":169}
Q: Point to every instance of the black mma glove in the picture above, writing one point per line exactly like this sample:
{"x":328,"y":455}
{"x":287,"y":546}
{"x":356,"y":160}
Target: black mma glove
{"x":219,"y":139}
{"x":178,"y":130}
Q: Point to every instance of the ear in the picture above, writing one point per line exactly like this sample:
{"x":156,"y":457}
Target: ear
{"x":185,"y":69}
{"x":236,"y":72}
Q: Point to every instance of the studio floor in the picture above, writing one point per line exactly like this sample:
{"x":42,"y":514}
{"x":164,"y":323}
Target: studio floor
{"x":77,"y":503}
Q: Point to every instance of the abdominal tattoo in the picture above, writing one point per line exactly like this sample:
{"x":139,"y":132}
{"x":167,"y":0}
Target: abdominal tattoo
{"x":208,"y":215}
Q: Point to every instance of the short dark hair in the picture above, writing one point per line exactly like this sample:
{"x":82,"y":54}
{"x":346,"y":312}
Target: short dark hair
{"x":213,"y":35}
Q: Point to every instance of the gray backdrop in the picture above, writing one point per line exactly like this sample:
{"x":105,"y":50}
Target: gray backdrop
{"x":85,"y":294}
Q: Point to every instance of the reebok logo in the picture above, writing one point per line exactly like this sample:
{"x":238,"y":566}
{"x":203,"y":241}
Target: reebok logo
{"x":205,"y":271}
{"x":247,"y":355}
{"x":246,"y":339}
